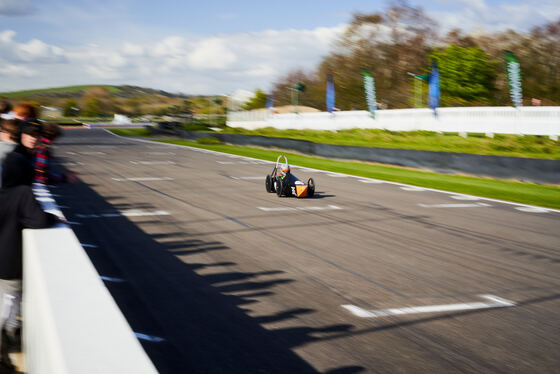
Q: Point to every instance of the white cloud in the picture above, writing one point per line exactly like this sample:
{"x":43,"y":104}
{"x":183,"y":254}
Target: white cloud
{"x":36,"y":50}
{"x":33,"y":51}
{"x":472,"y":15}
{"x":16,"y":7}
{"x":211,"y":54}
{"x":135,"y":50}
{"x":17,"y":71}
{"x":197,"y":65}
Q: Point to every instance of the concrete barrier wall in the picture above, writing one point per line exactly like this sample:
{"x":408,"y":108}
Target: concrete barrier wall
{"x":490,"y":120}
{"x":526,"y":169}
{"x":71,"y":324}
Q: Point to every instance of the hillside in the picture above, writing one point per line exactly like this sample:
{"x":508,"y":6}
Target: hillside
{"x":70,"y":92}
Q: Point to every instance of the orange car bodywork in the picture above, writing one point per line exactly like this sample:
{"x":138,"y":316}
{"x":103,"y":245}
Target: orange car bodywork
{"x":301,"y":190}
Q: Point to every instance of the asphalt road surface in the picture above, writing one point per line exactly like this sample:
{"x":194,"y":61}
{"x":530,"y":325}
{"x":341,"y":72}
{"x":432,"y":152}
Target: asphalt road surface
{"x":218,"y":276}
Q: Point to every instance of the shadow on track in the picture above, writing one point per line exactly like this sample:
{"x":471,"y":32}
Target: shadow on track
{"x":203,"y":327}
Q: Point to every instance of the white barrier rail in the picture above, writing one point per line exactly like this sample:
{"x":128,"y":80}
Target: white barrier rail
{"x":489,"y":120}
{"x":71,"y":324}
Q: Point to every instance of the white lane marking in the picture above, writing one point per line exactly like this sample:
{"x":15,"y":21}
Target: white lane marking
{"x":473,"y":205}
{"x":142,"y":179}
{"x":45,"y":199}
{"x":111,"y":279}
{"x":532,"y":209}
{"x":71,"y":163}
{"x":150,"y":338}
{"x":126,"y":213}
{"x":71,"y":153}
{"x":161,"y":153}
{"x":44,"y":193}
{"x":494,"y":302}
{"x":248,"y":178}
{"x":464,"y":197}
{"x":226,"y":162}
{"x":412,"y":188}
{"x":153,"y":162}
{"x":311,"y":170}
{"x":93,"y":153}
{"x":280,"y":209}
{"x":336,"y":175}
{"x":372,"y":181}
{"x":88,"y":245}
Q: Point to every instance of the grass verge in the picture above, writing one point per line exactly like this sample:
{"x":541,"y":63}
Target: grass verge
{"x":526,"y":193}
{"x":500,"y":145}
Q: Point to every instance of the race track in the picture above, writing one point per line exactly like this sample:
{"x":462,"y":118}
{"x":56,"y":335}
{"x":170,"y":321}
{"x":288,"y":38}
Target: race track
{"x":366,"y":277}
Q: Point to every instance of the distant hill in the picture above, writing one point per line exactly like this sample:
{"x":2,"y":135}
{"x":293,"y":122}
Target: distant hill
{"x":76,"y":91}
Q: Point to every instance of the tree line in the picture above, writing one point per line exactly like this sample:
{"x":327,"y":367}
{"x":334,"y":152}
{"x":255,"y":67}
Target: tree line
{"x":403,"y":40}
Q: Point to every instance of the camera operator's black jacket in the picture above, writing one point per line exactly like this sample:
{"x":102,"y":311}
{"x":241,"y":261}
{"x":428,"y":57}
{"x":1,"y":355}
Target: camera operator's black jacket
{"x":18,"y":210}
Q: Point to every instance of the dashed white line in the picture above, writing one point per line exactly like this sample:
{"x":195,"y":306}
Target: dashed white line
{"x":310,"y":208}
{"x":128,"y":213}
{"x":150,"y":338}
{"x":464,"y":197}
{"x":111,"y":279}
{"x":412,"y":188}
{"x":247,"y":178}
{"x":473,"y":205}
{"x":494,"y":302}
{"x":532,"y":209}
{"x":226,"y":162}
{"x":71,"y":163}
{"x":336,"y":175}
{"x":153,"y":162}
{"x":143,"y":179}
{"x":45,"y":199}
{"x":371,"y":181}
{"x":93,"y":153}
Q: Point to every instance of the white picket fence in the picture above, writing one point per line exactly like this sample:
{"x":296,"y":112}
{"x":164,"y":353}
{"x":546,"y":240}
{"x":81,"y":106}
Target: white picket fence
{"x":490,"y":120}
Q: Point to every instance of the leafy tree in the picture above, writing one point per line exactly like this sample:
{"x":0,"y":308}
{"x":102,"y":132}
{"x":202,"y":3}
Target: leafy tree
{"x":387,"y":44}
{"x":468,"y":75}
{"x":285,"y":87}
{"x":92,"y":107}
{"x":98,"y":102}
{"x":69,"y":108}
{"x":257,"y":101}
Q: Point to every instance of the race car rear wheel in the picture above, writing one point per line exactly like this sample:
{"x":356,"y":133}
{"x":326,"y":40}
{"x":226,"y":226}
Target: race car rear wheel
{"x":310,"y":187}
{"x":279,"y":186}
{"x":269,"y":184}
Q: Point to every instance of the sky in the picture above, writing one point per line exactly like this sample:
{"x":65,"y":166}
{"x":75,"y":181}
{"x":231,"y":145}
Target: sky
{"x":210,"y":47}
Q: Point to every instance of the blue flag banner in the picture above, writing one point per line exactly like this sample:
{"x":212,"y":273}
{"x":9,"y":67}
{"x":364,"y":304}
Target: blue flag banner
{"x":269,"y":101}
{"x":369,"y":86}
{"x":330,"y":93}
{"x":433,"y":87}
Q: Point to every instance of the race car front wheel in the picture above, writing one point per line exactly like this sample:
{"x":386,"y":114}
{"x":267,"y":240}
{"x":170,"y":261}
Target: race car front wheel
{"x":279,"y":186}
{"x":310,"y":187}
{"x":269,"y":184}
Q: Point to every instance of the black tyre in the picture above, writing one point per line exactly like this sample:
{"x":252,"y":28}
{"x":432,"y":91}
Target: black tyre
{"x":310,"y":187}
{"x":269,"y":184}
{"x":279,"y":186}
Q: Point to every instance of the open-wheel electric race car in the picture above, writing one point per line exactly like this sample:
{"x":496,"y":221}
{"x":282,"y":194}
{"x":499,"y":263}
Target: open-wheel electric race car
{"x":284,"y":183}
